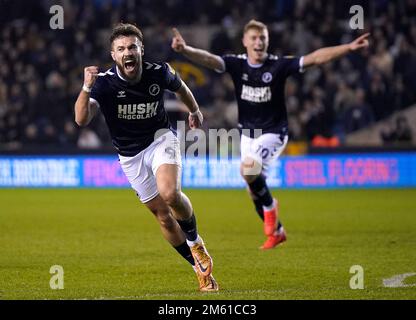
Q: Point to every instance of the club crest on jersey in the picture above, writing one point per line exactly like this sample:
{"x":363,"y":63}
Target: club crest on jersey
{"x":267,"y":77}
{"x":154,"y":89}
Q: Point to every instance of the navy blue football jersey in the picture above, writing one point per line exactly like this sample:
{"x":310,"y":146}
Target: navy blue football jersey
{"x":260,"y":91}
{"x":135,"y":112}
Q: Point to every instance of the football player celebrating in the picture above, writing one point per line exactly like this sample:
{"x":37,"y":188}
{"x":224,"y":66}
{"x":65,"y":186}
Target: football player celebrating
{"x":130,"y":96}
{"x":259,"y":81}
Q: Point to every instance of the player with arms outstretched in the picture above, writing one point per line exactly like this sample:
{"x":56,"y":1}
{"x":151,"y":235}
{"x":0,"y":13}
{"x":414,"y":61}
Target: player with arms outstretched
{"x":130,"y":96}
{"x":259,"y":80}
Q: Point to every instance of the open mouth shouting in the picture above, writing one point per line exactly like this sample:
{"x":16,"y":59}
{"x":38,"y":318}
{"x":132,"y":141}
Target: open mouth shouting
{"x":130,"y":65}
{"x":259,"y":50}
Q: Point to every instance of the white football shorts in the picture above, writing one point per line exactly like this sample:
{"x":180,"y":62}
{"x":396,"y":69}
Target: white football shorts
{"x":141,"y":169}
{"x":264,"y":149}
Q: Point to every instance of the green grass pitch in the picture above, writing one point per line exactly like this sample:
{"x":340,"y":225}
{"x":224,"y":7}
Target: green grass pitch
{"x":110,"y":247}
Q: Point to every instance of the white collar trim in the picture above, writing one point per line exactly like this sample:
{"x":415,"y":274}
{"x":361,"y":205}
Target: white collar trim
{"x":119,"y":74}
{"x":257,"y":65}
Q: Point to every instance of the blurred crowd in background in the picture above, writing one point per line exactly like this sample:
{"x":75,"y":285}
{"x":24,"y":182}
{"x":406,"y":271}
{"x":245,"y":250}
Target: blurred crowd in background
{"x":42,"y":69}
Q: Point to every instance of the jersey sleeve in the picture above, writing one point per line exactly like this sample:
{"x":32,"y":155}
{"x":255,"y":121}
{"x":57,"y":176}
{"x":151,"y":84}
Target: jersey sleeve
{"x":292,"y":65}
{"x":97,"y":92}
{"x":171,"y":78}
{"x":230,"y":63}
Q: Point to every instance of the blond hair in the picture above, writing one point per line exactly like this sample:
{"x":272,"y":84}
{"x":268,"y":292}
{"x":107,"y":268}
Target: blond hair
{"x":254,"y":24}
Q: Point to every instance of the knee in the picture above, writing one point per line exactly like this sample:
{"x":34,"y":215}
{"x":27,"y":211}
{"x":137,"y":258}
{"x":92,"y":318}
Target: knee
{"x":172,"y":197}
{"x":250,"y":170}
{"x":248,"y":178}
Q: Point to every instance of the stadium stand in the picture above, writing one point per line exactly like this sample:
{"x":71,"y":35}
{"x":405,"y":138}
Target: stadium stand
{"x":42,"y":68}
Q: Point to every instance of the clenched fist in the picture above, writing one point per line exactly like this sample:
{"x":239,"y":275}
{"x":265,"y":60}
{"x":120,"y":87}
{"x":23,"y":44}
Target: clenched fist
{"x":195,"y":119}
{"x":90,"y":75}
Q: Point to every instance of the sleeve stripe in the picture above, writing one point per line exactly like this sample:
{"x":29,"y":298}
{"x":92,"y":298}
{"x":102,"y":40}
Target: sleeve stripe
{"x":95,"y":101}
{"x":301,"y":68}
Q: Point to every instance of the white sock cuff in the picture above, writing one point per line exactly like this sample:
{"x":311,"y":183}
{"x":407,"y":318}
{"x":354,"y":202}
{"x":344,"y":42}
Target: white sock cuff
{"x":272,"y":206}
{"x":198,"y":240}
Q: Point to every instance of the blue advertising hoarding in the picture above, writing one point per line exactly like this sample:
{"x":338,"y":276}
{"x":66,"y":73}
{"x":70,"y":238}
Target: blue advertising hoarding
{"x":324,"y":171}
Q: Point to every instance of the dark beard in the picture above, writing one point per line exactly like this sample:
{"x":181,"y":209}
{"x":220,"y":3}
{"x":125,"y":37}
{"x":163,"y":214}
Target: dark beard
{"x":136,"y":78}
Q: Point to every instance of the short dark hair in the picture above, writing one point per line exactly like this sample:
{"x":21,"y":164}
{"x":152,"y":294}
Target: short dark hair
{"x":125,"y":30}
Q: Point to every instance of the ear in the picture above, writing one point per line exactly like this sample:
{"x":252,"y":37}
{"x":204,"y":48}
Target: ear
{"x":243,"y":40}
{"x":113,"y":55}
{"x":142,"y":50}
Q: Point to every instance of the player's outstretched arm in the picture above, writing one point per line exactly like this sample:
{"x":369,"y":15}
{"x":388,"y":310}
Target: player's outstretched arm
{"x":324,"y":55}
{"x":195,"y":115}
{"x":198,"y":56}
{"x":85,"y":110}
